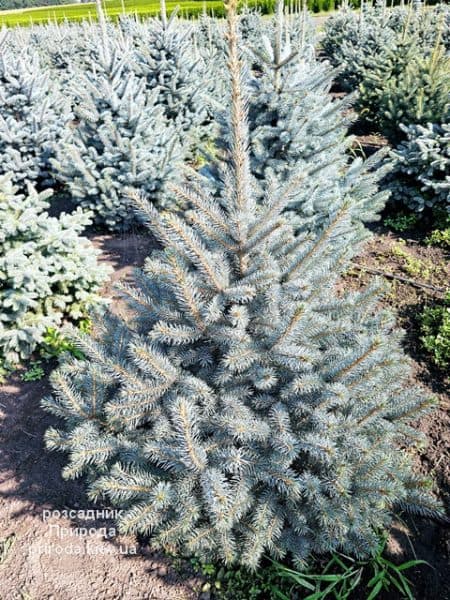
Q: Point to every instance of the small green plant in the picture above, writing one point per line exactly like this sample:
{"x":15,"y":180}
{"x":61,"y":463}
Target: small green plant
{"x":441,"y":219}
{"x":241,"y":583}
{"x":34,"y":373}
{"x":55,"y":343}
{"x":435,"y":329}
{"x":343,"y":574}
{"x":5,"y":370}
{"x":440,"y":236}
{"x":401,"y":222}
{"x":336,"y":580}
{"x":411,"y":264}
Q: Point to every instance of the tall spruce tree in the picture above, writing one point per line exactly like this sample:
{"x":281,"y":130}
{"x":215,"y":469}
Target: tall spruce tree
{"x":294,"y":122}
{"x":120,"y":138}
{"x":249,"y":408}
{"x":165,"y":57}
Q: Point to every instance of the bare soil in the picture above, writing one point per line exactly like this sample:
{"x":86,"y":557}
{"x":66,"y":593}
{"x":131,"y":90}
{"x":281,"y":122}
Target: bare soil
{"x":44,"y":562}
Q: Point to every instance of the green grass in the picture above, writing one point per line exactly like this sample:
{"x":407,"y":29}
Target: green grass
{"x":114,"y":8}
{"x":143,"y":8}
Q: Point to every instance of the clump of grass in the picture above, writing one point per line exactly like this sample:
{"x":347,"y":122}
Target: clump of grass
{"x":440,"y":236}
{"x":401,"y":222}
{"x":35,"y":372}
{"x":413,"y":266}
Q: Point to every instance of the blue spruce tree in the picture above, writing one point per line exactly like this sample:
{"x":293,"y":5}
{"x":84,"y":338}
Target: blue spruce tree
{"x":249,"y":408}
{"x":118,"y":140}
{"x":294,"y":122}
{"x":48,"y":271}
{"x":166,"y":58}
{"x":64,"y":47}
{"x":421,"y":175}
{"x":32,"y":115}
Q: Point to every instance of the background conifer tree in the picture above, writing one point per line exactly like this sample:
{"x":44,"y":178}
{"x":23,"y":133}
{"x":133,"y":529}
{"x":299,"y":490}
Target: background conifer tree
{"x":354,"y":40}
{"x":294,"y":121}
{"x":292,"y":118}
{"x":64,"y":48}
{"x":120,"y":138}
{"x":406,"y":85}
{"x":48,"y":271}
{"x":166,"y":58}
{"x":421,"y":176}
{"x":32,"y":115}
{"x":249,"y":408}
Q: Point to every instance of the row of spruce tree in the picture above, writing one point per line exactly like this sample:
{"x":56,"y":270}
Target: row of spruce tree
{"x":94,"y":99}
{"x":97,"y":111}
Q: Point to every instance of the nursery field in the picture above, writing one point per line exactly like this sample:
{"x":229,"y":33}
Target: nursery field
{"x":113,"y":8}
{"x":225,"y":306}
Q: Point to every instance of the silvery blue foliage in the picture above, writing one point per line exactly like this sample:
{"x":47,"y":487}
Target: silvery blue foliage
{"x":32,"y":115}
{"x":299,"y":33}
{"x":297,"y":30}
{"x":48,"y":272}
{"x":209,"y":43}
{"x":397,"y":58}
{"x":248,"y":408}
{"x":294,"y":122}
{"x":118,"y":139}
{"x":292,"y":117}
{"x":421,"y":177}
{"x":172,"y":69}
{"x":64,"y":48}
{"x":350,"y":38}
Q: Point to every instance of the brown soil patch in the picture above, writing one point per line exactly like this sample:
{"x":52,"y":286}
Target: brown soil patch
{"x":369,"y":144}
